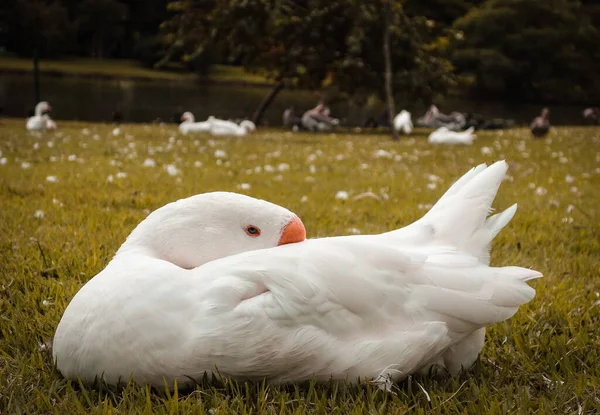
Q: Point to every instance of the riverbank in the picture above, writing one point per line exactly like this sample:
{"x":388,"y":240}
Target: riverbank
{"x":124,"y":69}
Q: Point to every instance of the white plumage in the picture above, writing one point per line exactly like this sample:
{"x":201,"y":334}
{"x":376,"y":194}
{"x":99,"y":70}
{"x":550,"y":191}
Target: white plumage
{"x":403,"y":122}
{"x":40,"y":121}
{"x":189,"y":124}
{"x":444,"y":136}
{"x":377,"y":306}
{"x":224,"y":127}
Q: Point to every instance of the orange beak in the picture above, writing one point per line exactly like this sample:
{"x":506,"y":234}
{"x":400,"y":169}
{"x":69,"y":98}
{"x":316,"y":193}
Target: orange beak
{"x":293,"y":232}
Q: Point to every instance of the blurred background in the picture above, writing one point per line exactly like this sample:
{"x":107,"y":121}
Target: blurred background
{"x":150,"y":60}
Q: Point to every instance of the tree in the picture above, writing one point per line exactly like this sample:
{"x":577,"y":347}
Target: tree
{"x":35,"y":25}
{"x":537,"y":50}
{"x":101,"y":26}
{"x":388,"y":68}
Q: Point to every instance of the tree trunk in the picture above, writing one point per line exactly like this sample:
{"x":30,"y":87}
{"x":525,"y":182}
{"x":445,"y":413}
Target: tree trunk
{"x":388,"y":68}
{"x":266,"y":102}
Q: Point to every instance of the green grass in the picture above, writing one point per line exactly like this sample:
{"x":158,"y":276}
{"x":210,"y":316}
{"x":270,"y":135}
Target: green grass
{"x":545,"y":359}
{"x":123,"y":68}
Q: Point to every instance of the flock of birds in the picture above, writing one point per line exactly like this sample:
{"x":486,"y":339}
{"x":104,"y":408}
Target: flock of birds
{"x":222,"y":283}
{"x":445,"y":134}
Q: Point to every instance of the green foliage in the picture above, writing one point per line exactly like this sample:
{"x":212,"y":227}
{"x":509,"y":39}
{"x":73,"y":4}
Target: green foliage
{"x":101,"y":25}
{"x":535,"y":49}
{"x":38,"y":25}
{"x":543,"y":360}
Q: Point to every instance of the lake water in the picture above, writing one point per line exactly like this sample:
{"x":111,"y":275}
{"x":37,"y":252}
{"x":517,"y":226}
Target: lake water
{"x":74,"y":98}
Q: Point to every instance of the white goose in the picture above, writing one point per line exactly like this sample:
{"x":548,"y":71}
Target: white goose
{"x":378,"y":306}
{"x":188,"y":124}
{"x":445,"y":136}
{"x":403,"y":122}
{"x":224,"y":127}
{"x":39,"y":122}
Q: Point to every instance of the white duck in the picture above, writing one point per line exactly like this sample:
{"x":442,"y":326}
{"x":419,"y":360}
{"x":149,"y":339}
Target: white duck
{"x":38,"y":122}
{"x":377,"y":306}
{"x":403,"y":122}
{"x":445,"y":136}
{"x":224,"y":127}
{"x":188,"y":124}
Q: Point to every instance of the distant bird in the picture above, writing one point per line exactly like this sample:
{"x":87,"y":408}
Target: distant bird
{"x":444,"y":136}
{"x":541,"y":125}
{"x":592,"y":114}
{"x":39,"y":122}
{"x":189,"y":124}
{"x":403,"y":122}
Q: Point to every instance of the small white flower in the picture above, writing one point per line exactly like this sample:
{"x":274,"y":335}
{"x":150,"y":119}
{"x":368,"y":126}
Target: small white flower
{"x":339,"y":157}
{"x":341,"y":195}
{"x":172,"y":170}
{"x":364,"y":166}
{"x":220,"y":154}
{"x":39,"y":214}
{"x":567,"y":220}
{"x":171,"y":140}
{"x":554,"y":203}
{"x":258,"y":169}
{"x":72,"y":157}
{"x":532,"y":186}
{"x":25,"y":165}
{"x":52,"y":179}
{"x":486,"y":151}
{"x":50,"y":144}
{"x":35,"y":147}
{"x":383,"y":154}
{"x":569,"y":178}
{"x":149,"y":163}
{"x":304,"y":198}
{"x":110,"y":178}
{"x":570,"y":208}
{"x":312,"y":169}
{"x":269,"y":169}
{"x":431,"y":186}
{"x":563,"y":160}
{"x":116,"y":131}
{"x":434,"y":178}
{"x":53,"y":159}
{"x":244,"y":186}
{"x":46,"y":303}
{"x":85,"y":131}
{"x":354,"y":231}
{"x":121,"y":175}
{"x":540,"y":191}
{"x":311,"y":158}
{"x":283,"y":167}
{"x":197,"y":164}
{"x":574,"y":189}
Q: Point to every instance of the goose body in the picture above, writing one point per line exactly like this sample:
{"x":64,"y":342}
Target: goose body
{"x":224,"y":127}
{"x":343,"y":308}
{"x":189,"y":124}
{"x":40,"y":121}
{"x":444,"y":136}
{"x":403,"y":122}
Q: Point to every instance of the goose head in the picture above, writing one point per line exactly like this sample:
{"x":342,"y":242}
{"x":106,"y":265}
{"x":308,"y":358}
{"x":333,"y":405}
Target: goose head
{"x":187,"y":117}
{"x":248,"y":126}
{"x":42,"y":107}
{"x":545,"y":113}
{"x":205,"y":227}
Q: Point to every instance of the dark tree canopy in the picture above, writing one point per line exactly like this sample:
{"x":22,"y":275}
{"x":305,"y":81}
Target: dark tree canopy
{"x":541,"y":50}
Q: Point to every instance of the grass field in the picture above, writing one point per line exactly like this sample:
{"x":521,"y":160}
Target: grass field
{"x":123,"y":68}
{"x":69,"y":198}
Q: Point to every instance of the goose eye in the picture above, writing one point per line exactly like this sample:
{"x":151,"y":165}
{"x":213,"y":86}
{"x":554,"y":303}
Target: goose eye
{"x":252,"y":231}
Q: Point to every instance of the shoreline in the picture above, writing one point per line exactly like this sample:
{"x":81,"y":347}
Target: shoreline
{"x":138,"y":78}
